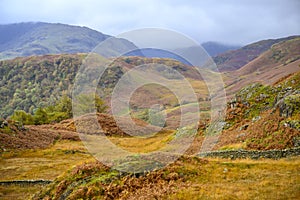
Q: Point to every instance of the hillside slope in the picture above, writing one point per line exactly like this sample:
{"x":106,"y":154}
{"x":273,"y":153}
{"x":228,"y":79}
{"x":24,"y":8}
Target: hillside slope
{"x":264,"y":117}
{"x":37,"y":81}
{"x":233,"y":60}
{"x":25,"y":39}
{"x":280,"y":60}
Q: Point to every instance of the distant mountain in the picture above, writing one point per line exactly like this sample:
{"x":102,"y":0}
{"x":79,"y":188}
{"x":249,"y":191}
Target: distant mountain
{"x":157,"y":53}
{"x":25,"y":39}
{"x":212,"y":49}
{"x":215,"y":48}
{"x":235,"y":59}
{"x":39,"y":38}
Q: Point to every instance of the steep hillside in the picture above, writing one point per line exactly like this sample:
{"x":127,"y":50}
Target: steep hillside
{"x":264,"y":117}
{"x":31,"y":82}
{"x":38,"y":81}
{"x":25,"y":39}
{"x":233,"y":60}
{"x":280,"y":60}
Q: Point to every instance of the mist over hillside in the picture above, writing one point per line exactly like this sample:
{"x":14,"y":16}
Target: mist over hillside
{"x":39,"y":38}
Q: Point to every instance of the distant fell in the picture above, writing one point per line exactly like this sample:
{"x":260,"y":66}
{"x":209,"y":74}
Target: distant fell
{"x":39,"y":38}
{"x":215,"y":48}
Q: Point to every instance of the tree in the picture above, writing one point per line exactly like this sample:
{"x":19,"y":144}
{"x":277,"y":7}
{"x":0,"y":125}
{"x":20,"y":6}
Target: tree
{"x":22,"y":117}
{"x":61,"y":110}
{"x":40,"y":116}
{"x":64,"y":105}
{"x":88,"y":103}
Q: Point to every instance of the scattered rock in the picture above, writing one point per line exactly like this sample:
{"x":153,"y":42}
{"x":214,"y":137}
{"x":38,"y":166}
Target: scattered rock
{"x":288,"y":105}
{"x":241,"y":135}
{"x":261,"y":97}
{"x":255,"y":119}
{"x":292,"y":124}
{"x":244,"y":127}
{"x":3,"y":123}
{"x":237,"y":154}
{"x":296,"y":141}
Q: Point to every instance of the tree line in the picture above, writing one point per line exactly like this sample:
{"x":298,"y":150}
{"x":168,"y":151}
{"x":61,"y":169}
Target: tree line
{"x":61,"y":110}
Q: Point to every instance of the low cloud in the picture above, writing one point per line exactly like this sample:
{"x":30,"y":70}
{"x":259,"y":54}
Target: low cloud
{"x":229,"y":21}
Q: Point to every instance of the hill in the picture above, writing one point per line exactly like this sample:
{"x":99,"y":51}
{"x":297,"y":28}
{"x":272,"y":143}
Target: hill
{"x":15,"y":136}
{"x":235,"y":59}
{"x":211,"y":48}
{"x":264,"y":116}
{"x":216,"y":48}
{"x":280,"y":60}
{"x":26,"y":39}
{"x":37,"y":81}
{"x":31,"y":82}
{"x":40,"y":38}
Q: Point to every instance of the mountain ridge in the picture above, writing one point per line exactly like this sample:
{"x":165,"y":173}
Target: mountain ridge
{"x":215,"y":48}
{"x":40,"y":38}
{"x":234,"y":59}
{"x":280,"y":60}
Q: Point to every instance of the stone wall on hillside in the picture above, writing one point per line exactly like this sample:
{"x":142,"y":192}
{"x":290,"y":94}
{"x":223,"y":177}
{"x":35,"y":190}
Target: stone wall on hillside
{"x":236,"y":154}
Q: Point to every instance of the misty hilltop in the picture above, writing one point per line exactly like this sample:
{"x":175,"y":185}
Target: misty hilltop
{"x":26,"y":39}
{"x":40,"y":38}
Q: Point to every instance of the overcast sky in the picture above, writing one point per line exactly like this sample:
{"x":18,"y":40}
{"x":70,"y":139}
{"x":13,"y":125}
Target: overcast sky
{"x":227,"y":21}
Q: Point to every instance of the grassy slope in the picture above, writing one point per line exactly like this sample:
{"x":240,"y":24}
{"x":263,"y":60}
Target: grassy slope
{"x":38,"y":164}
{"x":187,"y":178}
{"x":244,"y":179}
{"x":42,"y":163}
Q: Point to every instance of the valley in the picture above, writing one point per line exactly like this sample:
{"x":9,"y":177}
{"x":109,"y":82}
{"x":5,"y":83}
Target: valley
{"x":143,"y":152}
